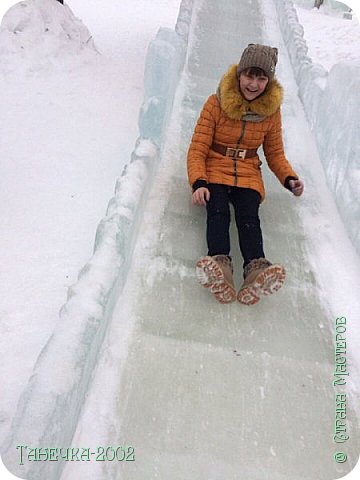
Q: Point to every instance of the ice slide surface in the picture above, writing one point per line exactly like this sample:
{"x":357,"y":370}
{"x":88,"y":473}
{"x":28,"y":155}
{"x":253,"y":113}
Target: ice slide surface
{"x":211,"y":391}
{"x":201,"y":390}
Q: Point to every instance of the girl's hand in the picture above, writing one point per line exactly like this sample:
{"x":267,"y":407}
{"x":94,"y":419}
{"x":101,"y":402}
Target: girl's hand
{"x":297,"y":187}
{"x":201,"y":196}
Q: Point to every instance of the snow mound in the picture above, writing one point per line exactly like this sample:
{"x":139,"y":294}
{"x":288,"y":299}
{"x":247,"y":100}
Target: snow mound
{"x":42,"y":33}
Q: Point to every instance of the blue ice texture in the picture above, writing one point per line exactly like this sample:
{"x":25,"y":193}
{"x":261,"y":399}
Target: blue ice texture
{"x":163,"y":66}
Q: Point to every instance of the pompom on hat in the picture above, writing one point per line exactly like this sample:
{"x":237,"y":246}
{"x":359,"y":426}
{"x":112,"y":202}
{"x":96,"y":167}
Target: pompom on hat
{"x":261,"y":56}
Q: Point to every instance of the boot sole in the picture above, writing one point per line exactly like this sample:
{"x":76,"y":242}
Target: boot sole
{"x":210,"y":276}
{"x":267,"y":282}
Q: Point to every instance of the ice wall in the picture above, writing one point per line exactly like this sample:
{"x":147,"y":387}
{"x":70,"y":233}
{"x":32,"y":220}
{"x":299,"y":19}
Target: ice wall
{"x":50,"y":405}
{"x":338,"y":133}
{"x":334,"y":115}
{"x":162,"y":69}
{"x":164,"y":61}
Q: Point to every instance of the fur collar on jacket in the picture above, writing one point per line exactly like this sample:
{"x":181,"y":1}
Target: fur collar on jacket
{"x":236,"y":107}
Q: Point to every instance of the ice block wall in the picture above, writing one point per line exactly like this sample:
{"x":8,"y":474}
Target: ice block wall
{"x":334,"y":115}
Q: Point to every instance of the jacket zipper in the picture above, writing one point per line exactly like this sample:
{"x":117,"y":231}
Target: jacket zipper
{"x":237,"y":146}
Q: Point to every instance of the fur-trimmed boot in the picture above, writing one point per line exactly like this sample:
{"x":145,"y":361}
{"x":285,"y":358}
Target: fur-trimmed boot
{"x":261,"y":277}
{"x":216,"y":274}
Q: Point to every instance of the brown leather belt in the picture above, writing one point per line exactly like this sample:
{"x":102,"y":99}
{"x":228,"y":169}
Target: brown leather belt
{"x":233,"y":152}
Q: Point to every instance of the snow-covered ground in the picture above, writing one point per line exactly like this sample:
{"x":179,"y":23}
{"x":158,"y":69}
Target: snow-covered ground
{"x":68,"y":123}
{"x":68,"y":126}
{"x":331,"y":38}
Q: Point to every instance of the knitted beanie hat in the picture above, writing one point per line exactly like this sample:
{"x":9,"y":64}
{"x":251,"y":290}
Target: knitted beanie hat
{"x":260,"y":56}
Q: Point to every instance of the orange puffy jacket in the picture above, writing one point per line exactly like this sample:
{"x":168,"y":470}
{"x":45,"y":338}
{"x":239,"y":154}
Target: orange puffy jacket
{"x":228,"y":119}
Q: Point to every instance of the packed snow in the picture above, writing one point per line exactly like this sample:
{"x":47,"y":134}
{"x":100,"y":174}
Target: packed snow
{"x":72,"y":95}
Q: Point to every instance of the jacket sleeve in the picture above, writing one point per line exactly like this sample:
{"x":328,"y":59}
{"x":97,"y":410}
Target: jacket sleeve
{"x":274,"y":151}
{"x":201,"y":142}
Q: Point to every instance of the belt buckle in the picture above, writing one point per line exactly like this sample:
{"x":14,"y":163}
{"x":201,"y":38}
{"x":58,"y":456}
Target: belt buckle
{"x":236,"y":152}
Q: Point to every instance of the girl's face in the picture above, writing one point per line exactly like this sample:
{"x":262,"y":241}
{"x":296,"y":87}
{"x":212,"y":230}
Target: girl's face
{"x":251,"y":86}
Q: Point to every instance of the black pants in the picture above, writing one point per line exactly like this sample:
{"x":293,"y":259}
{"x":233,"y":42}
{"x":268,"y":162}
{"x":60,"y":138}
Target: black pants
{"x":246,"y":203}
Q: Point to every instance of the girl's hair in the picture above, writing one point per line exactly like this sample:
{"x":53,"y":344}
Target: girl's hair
{"x":258,"y":72}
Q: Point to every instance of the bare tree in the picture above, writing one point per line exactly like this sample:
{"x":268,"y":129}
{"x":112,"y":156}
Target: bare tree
{"x":318,"y":3}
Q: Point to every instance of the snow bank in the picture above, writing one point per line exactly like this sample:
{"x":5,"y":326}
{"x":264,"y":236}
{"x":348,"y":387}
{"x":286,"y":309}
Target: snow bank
{"x":49,"y":407}
{"x":331,"y":38}
{"x":42,"y":33}
{"x":334,"y":116}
